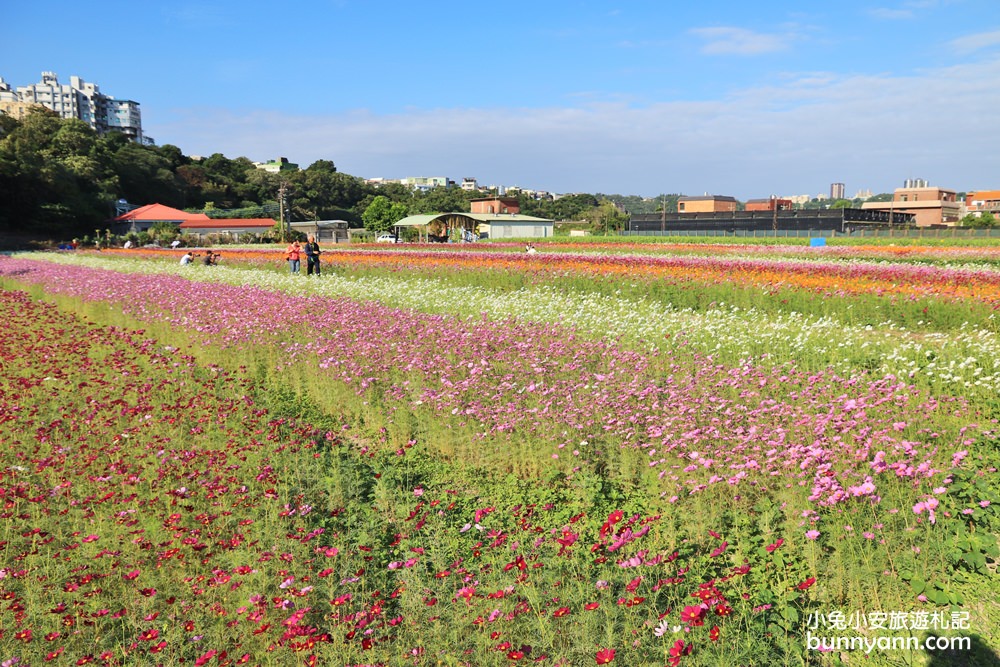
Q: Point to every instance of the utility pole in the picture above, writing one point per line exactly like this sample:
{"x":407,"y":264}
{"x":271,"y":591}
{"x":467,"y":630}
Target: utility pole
{"x":663,"y":214}
{"x":286,"y":223}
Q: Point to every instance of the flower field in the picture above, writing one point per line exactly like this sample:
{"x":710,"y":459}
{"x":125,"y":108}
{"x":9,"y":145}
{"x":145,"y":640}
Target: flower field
{"x":480,"y":458}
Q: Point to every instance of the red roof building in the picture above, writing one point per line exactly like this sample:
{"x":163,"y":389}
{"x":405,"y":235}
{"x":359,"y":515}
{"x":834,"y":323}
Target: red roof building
{"x":197,"y":224}
{"x":144,"y":217}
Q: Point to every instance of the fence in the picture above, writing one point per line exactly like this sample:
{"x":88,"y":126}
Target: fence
{"x":954,"y":232}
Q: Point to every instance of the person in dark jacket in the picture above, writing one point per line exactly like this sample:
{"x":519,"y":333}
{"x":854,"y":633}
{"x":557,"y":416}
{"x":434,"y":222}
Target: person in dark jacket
{"x":312,"y":255}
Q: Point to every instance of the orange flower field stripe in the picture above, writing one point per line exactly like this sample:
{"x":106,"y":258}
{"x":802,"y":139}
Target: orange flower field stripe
{"x":771,"y":274}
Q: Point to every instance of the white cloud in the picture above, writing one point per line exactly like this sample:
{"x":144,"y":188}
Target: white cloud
{"x":971,"y":43}
{"x":891,"y":14}
{"x":799,"y":136}
{"x":727,"y":40}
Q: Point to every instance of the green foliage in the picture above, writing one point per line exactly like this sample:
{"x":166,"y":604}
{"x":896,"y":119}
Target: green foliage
{"x":570,"y":207}
{"x":985,"y":221}
{"x":382,"y":214}
{"x":606,"y":218}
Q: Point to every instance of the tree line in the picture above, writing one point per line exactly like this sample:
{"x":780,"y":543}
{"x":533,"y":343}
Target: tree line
{"x":61,"y":179}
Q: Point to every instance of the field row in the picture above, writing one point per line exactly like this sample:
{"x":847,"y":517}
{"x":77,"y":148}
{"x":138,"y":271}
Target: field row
{"x":965,"y":361}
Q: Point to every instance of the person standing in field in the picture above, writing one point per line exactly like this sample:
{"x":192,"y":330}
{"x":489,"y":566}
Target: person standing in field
{"x":312,"y":255}
{"x":294,"y":256}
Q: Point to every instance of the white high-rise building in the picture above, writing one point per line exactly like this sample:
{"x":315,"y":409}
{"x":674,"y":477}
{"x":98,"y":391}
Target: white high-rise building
{"x":85,"y":102}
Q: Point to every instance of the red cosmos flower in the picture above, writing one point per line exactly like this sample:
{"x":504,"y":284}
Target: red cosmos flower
{"x":515,"y":655}
{"x":714,"y":633}
{"x":54,"y":654}
{"x":591,"y":606}
{"x":149,"y":635}
{"x":772,"y":547}
{"x":560,"y":612}
{"x":719,"y":551}
{"x":806,"y":584}
{"x":723,"y":610}
{"x":604,"y":656}
{"x":680,"y":648}
{"x":692,"y":615}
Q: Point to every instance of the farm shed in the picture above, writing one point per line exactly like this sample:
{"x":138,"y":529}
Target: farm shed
{"x":442,"y":226}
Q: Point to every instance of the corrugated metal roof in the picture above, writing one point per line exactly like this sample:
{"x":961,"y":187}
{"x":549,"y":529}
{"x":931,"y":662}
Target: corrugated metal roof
{"x":417,"y":220}
{"x":426,"y":219}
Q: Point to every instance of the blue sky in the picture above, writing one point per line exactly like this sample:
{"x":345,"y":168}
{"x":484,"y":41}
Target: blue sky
{"x":642,"y":97}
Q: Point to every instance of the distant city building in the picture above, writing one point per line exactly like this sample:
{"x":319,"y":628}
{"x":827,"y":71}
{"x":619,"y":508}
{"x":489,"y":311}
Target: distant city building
{"x":863,"y":194}
{"x":932,"y":207}
{"x":769,"y":204}
{"x":425,"y":183}
{"x":469,"y":184}
{"x":799,"y":199}
{"x":837,"y":191}
{"x":276,"y":166}
{"x":983,"y":201}
{"x":706,"y":204}
{"x":80,"y":100}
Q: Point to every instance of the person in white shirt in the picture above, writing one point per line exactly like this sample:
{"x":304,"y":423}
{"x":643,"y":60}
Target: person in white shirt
{"x":186,"y":259}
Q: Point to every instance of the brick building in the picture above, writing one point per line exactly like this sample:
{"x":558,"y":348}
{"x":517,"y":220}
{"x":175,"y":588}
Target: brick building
{"x":706,"y":204}
{"x":932,"y":206}
{"x":769,"y":204}
{"x":507,"y":205}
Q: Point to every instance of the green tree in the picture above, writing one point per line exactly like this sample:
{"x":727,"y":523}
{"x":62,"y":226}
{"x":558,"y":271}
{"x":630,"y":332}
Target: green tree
{"x":146,"y":177}
{"x":55,"y":174}
{"x":985,"y":221}
{"x":606,"y":218}
{"x":382,"y":214}
{"x":164,"y":232}
{"x":441,"y":200}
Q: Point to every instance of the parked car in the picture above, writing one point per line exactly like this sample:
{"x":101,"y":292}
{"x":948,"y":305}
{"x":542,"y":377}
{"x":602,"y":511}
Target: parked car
{"x":386,"y":237}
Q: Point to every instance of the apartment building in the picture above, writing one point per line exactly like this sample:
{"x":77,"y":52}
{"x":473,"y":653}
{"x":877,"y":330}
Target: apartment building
{"x":932,"y":206}
{"x":81,"y":100}
{"x":983,"y":201}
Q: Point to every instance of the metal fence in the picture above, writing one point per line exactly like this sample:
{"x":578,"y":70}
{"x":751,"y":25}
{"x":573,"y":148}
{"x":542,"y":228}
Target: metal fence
{"x":954,"y":232}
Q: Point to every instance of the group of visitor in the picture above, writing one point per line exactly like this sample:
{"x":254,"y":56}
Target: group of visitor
{"x":311,"y":250}
{"x":210,"y":259}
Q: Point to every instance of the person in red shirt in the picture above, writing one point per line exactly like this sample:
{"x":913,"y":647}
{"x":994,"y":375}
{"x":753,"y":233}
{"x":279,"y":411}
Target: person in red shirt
{"x":294,"y":256}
